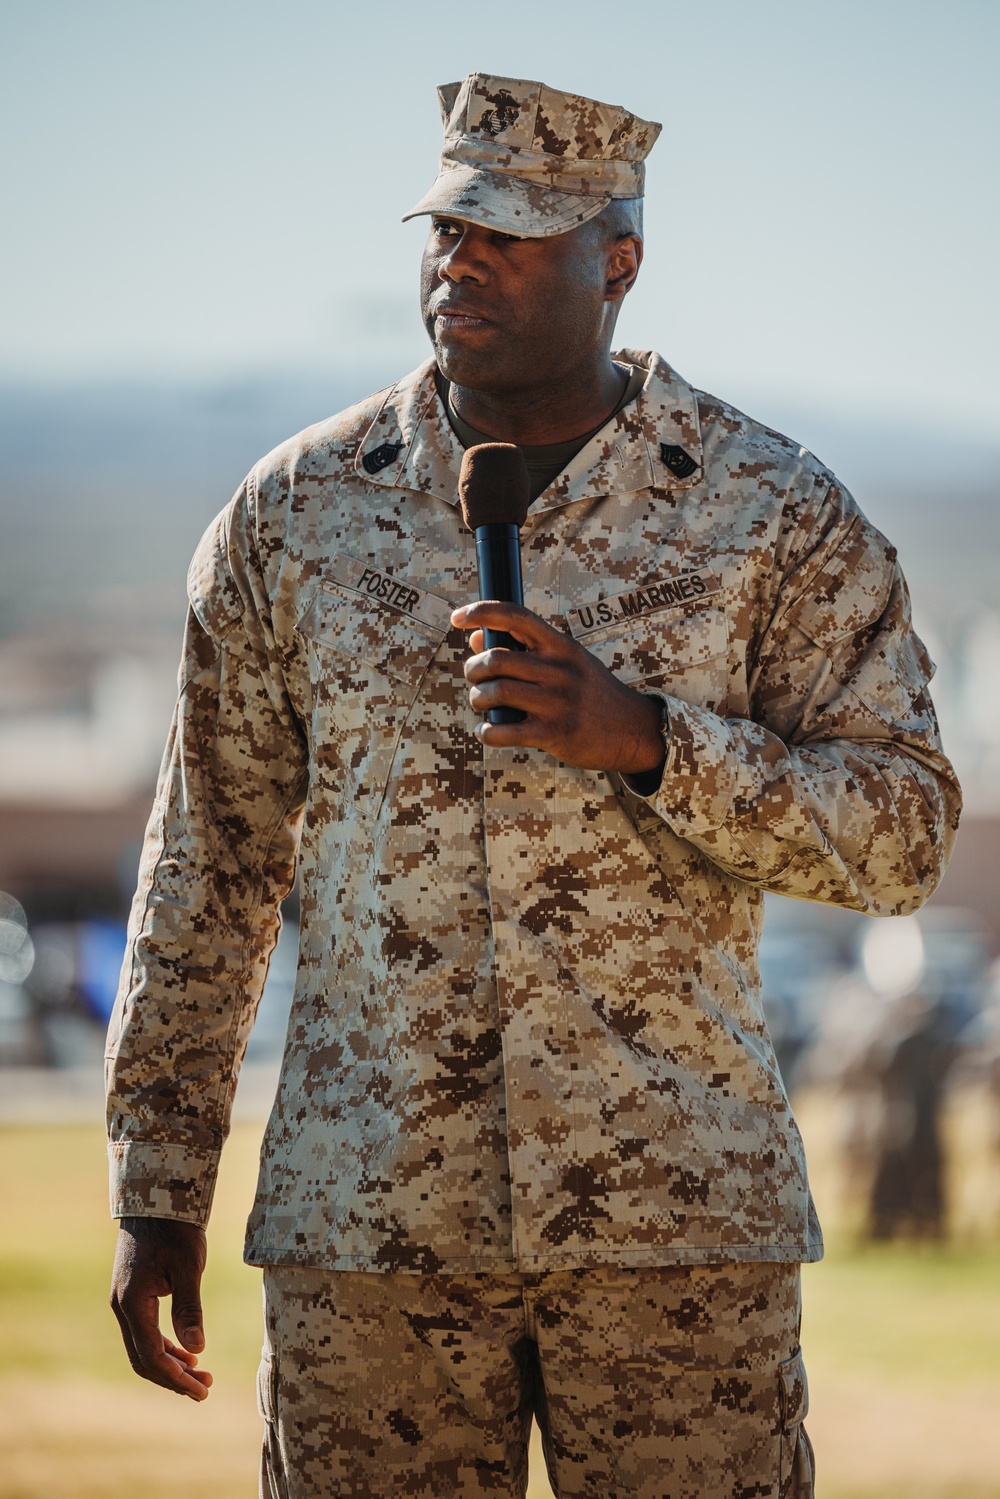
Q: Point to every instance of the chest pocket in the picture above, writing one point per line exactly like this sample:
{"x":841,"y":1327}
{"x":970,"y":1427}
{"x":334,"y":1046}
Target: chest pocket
{"x":683,"y":654}
{"x":368,"y":658}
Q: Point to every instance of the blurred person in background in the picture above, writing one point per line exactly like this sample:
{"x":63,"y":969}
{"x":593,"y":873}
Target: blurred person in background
{"x":531,"y":1156}
{"x":979,"y":1065}
{"x":909,"y":1062}
{"x":906,"y":1021}
{"x":991,"y":1047}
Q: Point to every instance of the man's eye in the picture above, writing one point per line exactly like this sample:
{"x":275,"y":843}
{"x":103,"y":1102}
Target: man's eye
{"x":514,"y":239}
{"x":445,"y":227}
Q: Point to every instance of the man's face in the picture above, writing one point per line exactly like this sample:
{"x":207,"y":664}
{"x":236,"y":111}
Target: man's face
{"x":507,"y":314}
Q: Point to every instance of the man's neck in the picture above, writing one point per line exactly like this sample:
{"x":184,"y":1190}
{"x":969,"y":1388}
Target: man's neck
{"x":553,"y":413}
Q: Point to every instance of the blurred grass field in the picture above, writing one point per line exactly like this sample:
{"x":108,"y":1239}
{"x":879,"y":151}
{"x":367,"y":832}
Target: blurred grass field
{"x":902,"y":1344}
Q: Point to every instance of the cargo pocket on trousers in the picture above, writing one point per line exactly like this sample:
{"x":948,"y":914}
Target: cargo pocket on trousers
{"x":797,"y":1465}
{"x":272,"y":1469}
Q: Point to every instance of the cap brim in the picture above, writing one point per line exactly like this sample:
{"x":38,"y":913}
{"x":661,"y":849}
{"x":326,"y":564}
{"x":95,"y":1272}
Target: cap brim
{"x":510,"y":204}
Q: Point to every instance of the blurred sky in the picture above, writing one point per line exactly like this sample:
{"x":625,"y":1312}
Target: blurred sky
{"x":211,"y":190}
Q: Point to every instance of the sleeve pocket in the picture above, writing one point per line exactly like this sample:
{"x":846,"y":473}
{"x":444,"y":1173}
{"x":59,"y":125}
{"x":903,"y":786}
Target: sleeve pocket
{"x":851,"y":590}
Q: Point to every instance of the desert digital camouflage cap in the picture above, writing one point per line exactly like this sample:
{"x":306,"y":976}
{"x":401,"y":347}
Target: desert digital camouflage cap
{"x":530,"y":160}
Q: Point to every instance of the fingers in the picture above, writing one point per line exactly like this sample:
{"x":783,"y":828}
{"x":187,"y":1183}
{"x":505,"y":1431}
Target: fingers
{"x":177,"y":1352}
{"x":541,"y":688}
{"x":548,"y":655}
{"x":523,"y":666}
{"x":515,"y":620}
{"x":190,"y":1361}
{"x":157,"y":1258}
{"x":151,"y":1355}
{"x":185,"y":1307}
{"x":576,"y":709}
{"x":540,"y":680}
{"x":533,"y":698}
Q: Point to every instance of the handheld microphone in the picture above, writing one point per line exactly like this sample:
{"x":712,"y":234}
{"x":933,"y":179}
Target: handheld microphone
{"x":495,"y":493}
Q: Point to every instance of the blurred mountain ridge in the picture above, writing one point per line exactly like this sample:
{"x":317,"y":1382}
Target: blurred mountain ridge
{"x":106,"y":488}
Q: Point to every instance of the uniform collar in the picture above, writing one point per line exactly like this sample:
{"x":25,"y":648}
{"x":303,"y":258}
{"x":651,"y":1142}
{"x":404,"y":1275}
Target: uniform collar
{"x":654,"y":442}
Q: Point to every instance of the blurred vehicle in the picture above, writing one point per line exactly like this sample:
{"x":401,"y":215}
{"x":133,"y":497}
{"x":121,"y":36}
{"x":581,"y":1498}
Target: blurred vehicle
{"x":59,"y":980}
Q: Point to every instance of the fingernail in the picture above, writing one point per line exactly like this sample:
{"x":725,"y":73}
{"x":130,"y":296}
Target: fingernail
{"x":193,"y":1339}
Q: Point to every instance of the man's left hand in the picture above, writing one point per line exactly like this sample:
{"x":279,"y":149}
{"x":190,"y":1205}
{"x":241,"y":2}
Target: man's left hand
{"x":578,"y":711}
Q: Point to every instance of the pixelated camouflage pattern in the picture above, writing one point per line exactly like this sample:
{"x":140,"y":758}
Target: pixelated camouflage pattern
{"x":530,"y":160}
{"x":685,"y":1382}
{"x":527,"y":1030}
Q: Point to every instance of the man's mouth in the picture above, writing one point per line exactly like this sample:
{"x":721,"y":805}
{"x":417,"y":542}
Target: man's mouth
{"x":456,"y":319}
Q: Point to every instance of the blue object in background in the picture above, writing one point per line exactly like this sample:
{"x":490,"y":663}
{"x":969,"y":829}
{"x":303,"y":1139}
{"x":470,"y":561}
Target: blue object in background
{"x":100,"y":952}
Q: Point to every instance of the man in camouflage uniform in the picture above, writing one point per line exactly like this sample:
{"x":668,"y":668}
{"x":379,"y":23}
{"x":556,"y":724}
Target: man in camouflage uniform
{"x":530,"y":1154}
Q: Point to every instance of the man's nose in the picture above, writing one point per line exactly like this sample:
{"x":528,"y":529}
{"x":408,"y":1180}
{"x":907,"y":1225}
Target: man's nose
{"x":462,"y":263}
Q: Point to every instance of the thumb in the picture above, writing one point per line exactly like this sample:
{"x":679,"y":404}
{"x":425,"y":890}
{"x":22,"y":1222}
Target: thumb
{"x":185,"y":1309}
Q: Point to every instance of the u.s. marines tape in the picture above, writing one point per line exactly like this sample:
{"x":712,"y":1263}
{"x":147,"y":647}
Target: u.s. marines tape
{"x":653,"y":597}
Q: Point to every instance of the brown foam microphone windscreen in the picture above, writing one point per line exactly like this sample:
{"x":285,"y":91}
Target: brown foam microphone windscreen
{"x":494,"y":487}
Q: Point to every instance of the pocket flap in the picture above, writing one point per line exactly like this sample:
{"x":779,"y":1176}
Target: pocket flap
{"x":398,"y":634}
{"x":267,"y":1374}
{"x":794,"y":1392}
{"x":661,"y":645}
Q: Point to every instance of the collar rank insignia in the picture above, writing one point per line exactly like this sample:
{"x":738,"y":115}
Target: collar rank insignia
{"x":380,"y":457}
{"x":680,"y":464}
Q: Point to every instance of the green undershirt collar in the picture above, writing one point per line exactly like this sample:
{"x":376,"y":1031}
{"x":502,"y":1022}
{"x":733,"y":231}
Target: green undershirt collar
{"x":547,"y":461}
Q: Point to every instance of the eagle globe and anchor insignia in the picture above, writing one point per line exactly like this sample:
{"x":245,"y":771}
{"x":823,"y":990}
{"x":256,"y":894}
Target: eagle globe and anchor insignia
{"x":502,"y":116}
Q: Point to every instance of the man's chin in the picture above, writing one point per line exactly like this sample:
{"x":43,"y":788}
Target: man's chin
{"x":474,"y":370}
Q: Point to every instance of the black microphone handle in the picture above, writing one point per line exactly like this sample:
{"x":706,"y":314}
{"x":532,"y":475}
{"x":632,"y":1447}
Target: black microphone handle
{"x":498,"y":560}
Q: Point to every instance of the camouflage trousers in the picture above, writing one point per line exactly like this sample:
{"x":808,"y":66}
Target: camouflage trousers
{"x":666,"y":1383}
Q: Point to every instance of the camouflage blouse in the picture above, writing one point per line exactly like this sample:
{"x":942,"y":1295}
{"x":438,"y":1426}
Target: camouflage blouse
{"x":527,"y":1029}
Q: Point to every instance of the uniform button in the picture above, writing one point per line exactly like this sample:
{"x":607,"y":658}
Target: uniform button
{"x":380,"y":457}
{"x":680,"y":464}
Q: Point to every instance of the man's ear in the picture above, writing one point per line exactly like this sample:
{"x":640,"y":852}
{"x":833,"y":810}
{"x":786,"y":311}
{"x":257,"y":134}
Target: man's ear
{"x":624,"y":260}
